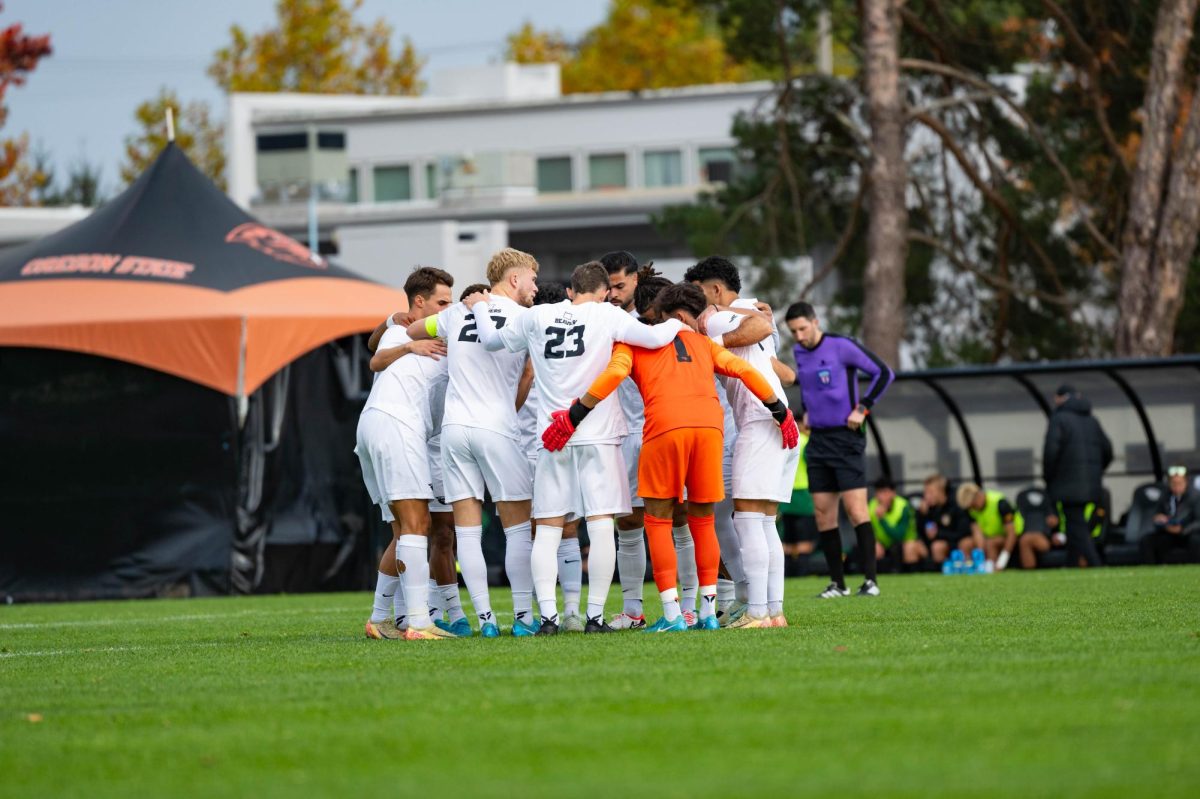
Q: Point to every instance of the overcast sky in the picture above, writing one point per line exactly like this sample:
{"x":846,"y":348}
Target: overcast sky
{"x":110,"y":55}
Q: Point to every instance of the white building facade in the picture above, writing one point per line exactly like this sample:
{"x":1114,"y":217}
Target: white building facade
{"x":491,"y":157}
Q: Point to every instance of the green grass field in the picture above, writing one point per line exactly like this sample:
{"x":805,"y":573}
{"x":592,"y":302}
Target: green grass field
{"x":1043,"y":684}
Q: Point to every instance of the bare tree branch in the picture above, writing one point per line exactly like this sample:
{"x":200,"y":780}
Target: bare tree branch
{"x":988,"y":278}
{"x":1034,"y":130}
{"x":843,"y":240}
{"x":1093,"y":78}
{"x":988,"y":192}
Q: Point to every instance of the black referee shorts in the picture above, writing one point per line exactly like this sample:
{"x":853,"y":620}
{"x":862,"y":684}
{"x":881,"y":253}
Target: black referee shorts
{"x":836,"y":460}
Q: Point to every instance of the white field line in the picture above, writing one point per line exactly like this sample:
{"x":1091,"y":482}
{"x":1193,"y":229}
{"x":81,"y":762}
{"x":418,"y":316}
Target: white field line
{"x":96,"y":622}
{"x":108,"y":649}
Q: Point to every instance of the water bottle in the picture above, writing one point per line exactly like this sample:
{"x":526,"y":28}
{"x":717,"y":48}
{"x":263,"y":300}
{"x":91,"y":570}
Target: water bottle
{"x":977,"y":561}
{"x":957,"y":562}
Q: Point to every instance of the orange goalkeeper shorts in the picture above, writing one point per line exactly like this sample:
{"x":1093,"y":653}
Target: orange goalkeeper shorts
{"x":688,"y":457}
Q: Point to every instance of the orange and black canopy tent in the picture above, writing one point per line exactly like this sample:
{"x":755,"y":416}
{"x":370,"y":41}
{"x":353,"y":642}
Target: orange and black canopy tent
{"x":172,"y":275}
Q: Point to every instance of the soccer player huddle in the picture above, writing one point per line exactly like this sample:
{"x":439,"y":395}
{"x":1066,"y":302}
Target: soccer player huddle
{"x":633,"y":406}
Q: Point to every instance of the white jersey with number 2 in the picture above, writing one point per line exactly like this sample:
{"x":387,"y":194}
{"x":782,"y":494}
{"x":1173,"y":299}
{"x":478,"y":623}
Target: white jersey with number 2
{"x":482,"y":390}
{"x":569,"y":346}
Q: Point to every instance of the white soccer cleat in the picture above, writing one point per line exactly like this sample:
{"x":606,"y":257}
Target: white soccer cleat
{"x":572,"y":624}
{"x":623,"y":621}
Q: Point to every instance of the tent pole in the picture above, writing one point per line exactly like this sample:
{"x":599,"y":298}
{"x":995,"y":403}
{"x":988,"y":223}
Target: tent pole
{"x":243,"y":404}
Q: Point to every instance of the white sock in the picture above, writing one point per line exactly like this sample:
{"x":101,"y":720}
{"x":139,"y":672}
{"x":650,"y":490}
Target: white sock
{"x":435,"y":600}
{"x":631,"y":567}
{"x":602,"y":559}
{"x":474,"y":571}
{"x":412,"y":552}
{"x":727,"y":537}
{"x":518,"y":548}
{"x":570,"y":574}
{"x":708,"y":601}
{"x":775,"y":566}
{"x":544,"y":568}
{"x":685,"y":554}
{"x":451,"y":602}
{"x":753,"y":550}
{"x":670,"y":603}
{"x":385,"y":591}
{"x":400,"y":607}
{"x":725,"y":590}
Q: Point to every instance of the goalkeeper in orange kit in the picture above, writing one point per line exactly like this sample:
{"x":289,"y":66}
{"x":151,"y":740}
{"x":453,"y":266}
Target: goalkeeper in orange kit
{"x":682,"y":441}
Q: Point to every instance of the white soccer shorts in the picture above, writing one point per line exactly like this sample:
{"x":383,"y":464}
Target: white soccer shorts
{"x":762,"y":468}
{"x":631,"y":450}
{"x":583,"y":480}
{"x":394,"y":460}
{"x":473,"y":458}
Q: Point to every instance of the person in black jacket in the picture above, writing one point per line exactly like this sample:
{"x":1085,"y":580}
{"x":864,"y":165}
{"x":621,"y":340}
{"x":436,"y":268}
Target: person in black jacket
{"x":1176,"y":520}
{"x":1074,"y":457}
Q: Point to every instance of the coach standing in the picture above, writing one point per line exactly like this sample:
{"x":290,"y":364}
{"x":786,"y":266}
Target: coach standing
{"x":827,"y":367}
{"x":1075,"y":454}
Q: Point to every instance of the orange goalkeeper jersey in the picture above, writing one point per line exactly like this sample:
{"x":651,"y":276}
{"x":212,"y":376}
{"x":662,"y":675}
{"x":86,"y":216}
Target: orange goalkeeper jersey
{"x":676,"y":381}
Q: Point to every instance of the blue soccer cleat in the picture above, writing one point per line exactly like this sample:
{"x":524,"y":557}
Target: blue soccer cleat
{"x":522,"y":629}
{"x":664,"y":626}
{"x":461,"y":628}
{"x":707,"y":623}
{"x":489,"y":630}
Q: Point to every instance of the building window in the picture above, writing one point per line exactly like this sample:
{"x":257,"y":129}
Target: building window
{"x":392,"y":183}
{"x":352,"y":186}
{"x":716,"y":164}
{"x":281,"y":142}
{"x":554,"y":174}
{"x":607,"y":171}
{"x":662,"y":168}
{"x":431,"y":181}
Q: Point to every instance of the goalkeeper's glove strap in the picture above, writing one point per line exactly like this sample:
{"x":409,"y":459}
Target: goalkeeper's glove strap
{"x":578,"y":412}
{"x":778,"y":409}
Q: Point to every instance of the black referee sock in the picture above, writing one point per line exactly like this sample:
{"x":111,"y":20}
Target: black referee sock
{"x":831,"y":545}
{"x":866,"y":549}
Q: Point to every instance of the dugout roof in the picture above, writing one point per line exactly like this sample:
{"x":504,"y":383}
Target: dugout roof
{"x":987,"y":424}
{"x":172,"y":275}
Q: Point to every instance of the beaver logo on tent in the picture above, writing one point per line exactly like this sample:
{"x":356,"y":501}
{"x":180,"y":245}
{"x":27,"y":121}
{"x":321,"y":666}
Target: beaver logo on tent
{"x":275,"y":244}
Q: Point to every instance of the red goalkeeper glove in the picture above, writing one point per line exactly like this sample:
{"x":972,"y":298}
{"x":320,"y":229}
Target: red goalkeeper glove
{"x":562,"y":426}
{"x":787,"y":424}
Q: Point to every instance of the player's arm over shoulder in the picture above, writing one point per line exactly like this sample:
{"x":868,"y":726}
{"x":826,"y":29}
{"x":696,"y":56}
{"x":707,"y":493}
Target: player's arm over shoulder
{"x":752,"y":328}
{"x":619,"y":367}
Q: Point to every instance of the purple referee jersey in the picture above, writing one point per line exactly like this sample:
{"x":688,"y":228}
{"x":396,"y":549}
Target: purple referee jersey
{"x":828,"y":379}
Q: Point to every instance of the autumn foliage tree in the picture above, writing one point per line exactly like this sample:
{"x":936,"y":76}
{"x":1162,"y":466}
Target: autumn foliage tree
{"x":200,"y":138}
{"x":641,"y":44}
{"x":19,"y":56}
{"x":318,"y":46}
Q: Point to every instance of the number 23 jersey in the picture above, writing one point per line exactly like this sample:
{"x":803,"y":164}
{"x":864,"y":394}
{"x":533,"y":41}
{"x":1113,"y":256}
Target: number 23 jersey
{"x":482,"y":391}
{"x":569,"y":346}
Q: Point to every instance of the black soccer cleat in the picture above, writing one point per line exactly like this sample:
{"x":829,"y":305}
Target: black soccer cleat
{"x":833,"y":591}
{"x":549,"y":627}
{"x":597,"y":626}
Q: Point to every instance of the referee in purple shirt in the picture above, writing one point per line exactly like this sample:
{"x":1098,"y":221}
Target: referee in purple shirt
{"x":827,"y":367}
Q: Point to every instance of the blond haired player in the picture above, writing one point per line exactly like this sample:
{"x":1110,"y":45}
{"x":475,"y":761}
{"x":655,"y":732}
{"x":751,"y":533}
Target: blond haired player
{"x":481,"y":437}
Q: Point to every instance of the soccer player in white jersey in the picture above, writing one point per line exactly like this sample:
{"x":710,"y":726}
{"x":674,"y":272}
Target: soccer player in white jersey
{"x":570,"y":559}
{"x":569,"y":345}
{"x":481,"y":437}
{"x":392,"y":446}
{"x":443,"y":576}
{"x":623,"y":272}
{"x":761,"y":466}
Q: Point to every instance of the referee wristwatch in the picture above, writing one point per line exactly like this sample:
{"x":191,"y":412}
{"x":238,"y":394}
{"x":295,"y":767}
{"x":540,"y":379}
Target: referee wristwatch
{"x":863,"y":409}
